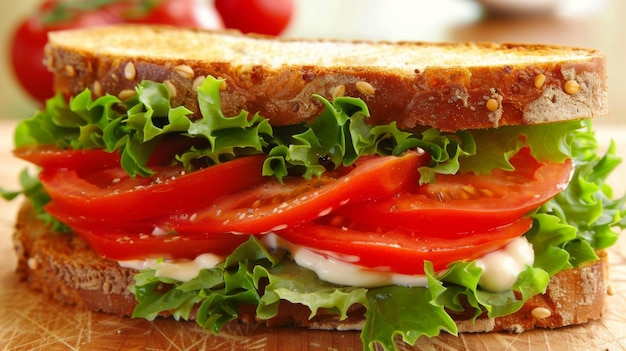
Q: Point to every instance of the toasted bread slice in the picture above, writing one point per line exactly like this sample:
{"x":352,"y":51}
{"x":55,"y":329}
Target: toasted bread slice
{"x":62,"y":266}
{"x":447,"y":86}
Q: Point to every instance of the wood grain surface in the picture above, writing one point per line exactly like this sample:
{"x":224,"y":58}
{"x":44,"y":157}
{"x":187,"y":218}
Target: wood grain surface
{"x":29,"y":321}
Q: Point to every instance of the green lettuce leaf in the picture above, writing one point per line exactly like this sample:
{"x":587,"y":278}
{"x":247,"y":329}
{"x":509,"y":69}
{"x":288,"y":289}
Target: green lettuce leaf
{"x":251,"y":275}
{"x":409,"y":312}
{"x":136,"y":126}
{"x":548,"y":236}
{"x":218,"y":291}
{"x":530,"y":282}
{"x":293,"y":283}
{"x":587,"y":205}
{"x":32,"y":189}
{"x":494,"y":147}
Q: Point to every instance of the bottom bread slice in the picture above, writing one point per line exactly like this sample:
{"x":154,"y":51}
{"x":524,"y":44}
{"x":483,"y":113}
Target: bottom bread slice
{"x":63,"y":267}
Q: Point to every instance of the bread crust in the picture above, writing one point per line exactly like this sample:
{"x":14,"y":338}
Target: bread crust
{"x":472,"y":89}
{"x":62,"y":266}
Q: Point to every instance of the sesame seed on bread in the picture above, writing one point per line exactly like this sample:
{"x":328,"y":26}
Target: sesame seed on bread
{"x":450,"y":86}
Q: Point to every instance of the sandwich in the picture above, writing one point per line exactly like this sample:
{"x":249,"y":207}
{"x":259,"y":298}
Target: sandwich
{"x":401,"y":189}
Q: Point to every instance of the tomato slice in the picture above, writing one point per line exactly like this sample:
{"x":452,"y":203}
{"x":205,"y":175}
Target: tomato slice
{"x":118,"y":240}
{"x":52,"y":157}
{"x":271,"y":206}
{"x":466,"y":202}
{"x":122,"y":246}
{"x":398,"y":250}
{"x":374,"y":210}
{"x":49,"y":156}
{"x":112,"y":194}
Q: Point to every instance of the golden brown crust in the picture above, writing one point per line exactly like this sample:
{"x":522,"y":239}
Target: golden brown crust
{"x":63,"y":267}
{"x":447,"y":86}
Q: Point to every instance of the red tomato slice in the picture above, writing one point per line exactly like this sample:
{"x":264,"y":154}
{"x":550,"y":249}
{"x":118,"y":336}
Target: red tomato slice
{"x":466,"y":202}
{"x":52,"y":157}
{"x":112,"y":194}
{"x":148,"y":238}
{"x":138,"y":240}
{"x":272,"y":206}
{"x":118,"y":245}
{"x":402,"y":251}
{"x":49,"y":156}
{"x":73,"y":220}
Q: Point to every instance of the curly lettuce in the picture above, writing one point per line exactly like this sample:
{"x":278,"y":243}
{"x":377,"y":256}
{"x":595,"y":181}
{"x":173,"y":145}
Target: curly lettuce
{"x":135,"y":126}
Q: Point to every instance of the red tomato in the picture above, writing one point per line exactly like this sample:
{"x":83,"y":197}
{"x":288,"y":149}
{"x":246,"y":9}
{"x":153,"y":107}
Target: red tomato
{"x":48,"y":157}
{"x":138,"y":240}
{"x":399,"y":250}
{"x":30,"y":37}
{"x":272,"y":206}
{"x":181,"y":13}
{"x":26,"y":51}
{"x":466,"y":202}
{"x":374,"y":210}
{"x":269,"y":17}
{"x":110,"y":193}
{"x":118,"y":245}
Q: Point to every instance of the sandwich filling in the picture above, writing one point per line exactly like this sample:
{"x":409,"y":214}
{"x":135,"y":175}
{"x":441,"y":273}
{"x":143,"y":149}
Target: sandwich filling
{"x":500,"y":268}
{"x":226,"y":211}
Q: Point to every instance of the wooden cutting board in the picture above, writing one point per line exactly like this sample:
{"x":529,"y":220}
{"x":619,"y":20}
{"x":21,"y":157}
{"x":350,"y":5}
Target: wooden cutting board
{"x":29,"y":321}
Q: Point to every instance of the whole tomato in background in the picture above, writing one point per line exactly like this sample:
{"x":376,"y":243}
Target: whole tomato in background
{"x":269,"y":17}
{"x":30,"y":36}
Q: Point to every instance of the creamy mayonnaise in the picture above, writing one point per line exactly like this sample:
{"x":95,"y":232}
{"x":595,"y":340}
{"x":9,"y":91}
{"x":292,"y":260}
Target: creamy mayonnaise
{"x":182,"y":270}
{"x":500,"y":268}
{"x":340,"y":272}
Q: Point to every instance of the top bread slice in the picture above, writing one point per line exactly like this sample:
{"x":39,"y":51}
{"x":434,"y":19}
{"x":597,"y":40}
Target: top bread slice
{"x":450,"y":86}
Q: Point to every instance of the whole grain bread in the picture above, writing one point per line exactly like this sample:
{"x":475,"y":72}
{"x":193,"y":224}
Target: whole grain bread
{"x":62,"y":266}
{"x":447,"y":86}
